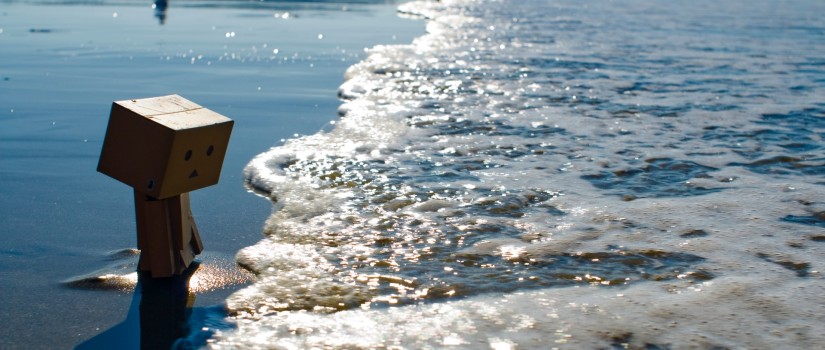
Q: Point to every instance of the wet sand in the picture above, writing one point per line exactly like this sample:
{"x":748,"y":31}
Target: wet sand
{"x":272,"y":67}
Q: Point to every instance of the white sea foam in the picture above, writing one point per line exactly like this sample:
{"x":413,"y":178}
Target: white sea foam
{"x":629,"y":174}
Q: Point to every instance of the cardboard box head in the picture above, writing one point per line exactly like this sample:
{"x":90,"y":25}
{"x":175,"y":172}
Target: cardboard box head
{"x":164,"y":146}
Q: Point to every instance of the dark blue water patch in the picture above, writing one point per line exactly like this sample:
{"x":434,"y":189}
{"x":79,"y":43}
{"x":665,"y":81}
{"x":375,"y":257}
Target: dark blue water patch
{"x":765,"y":136}
{"x":661,"y":177}
{"x":817,"y":219}
{"x":811,"y":71}
{"x":785,"y":30}
{"x":630,"y":154}
{"x":804,"y":129}
{"x":796,"y":141}
{"x":785,"y":165}
{"x":652,"y":87}
{"x":814,"y":61}
{"x":642,"y":86}
{"x":801,"y":88}
{"x":801,"y":147}
{"x":801,"y":269}
{"x":803,"y":120}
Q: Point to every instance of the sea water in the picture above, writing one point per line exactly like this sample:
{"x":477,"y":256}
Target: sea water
{"x":556,"y":174}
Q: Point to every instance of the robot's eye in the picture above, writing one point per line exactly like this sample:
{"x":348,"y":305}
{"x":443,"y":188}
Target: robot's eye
{"x":187,"y":155}
{"x":210,"y":150}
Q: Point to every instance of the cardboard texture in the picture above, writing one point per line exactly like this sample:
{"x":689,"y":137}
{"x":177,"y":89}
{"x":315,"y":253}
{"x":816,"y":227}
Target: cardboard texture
{"x":167,"y":234}
{"x":164,"y":146}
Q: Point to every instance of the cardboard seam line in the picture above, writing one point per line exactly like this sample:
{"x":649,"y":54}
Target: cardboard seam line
{"x":151,"y":116}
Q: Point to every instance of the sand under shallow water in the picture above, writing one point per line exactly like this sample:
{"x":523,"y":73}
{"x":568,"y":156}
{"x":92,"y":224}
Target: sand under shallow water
{"x":62,"y":65}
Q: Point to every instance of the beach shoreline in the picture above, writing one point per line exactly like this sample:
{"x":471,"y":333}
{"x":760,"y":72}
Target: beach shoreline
{"x":274,"y":70}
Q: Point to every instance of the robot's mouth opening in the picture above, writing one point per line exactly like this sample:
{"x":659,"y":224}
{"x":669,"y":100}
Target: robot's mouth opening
{"x":194,"y":174}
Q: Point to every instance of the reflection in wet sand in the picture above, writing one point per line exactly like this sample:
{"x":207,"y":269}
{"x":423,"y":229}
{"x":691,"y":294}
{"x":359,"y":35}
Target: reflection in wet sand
{"x":160,"y":310}
{"x":160,"y":10}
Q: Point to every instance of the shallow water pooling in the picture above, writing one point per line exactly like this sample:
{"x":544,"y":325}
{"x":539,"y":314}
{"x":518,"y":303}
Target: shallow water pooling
{"x":526,"y":174}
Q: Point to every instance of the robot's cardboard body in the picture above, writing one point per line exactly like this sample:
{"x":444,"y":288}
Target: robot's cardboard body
{"x":165,"y":147}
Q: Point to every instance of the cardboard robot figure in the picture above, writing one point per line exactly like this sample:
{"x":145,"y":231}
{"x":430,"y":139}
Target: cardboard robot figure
{"x":164,"y":147}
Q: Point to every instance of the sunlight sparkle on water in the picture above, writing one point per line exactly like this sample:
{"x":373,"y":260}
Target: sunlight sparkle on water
{"x":490,"y":176}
